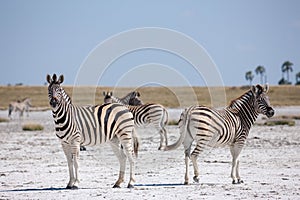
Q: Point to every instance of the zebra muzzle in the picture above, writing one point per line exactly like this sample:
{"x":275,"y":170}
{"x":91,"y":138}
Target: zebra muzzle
{"x":53,"y":102}
{"x":270,"y":112}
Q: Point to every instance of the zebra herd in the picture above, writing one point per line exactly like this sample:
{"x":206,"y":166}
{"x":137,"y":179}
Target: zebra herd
{"x":116,"y":119}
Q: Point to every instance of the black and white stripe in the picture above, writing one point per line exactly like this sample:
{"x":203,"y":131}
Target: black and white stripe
{"x":150,"y":114}
{"x":229,"y":126}
{"x":91,"y":125}
{"x":132,"y":98}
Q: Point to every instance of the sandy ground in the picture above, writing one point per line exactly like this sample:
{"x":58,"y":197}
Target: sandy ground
{"x":33,"y":166}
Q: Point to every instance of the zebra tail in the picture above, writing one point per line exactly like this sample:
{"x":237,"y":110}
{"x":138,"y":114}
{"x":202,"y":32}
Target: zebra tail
{"x":10,"y":109}
{"x":136,"y":143}
{"x":185,"y":116}
{"x":166,"y":116}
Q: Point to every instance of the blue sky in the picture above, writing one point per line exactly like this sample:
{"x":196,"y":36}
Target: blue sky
{"x":40,"y":37}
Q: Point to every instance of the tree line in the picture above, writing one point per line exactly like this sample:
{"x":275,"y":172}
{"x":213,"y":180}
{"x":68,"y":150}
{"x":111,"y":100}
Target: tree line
{"x":286,"y":68}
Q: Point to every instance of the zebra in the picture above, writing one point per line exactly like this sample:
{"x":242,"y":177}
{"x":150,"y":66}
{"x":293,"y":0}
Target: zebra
{"x":131,"y":98}
{"x":229,"y":126}
{"x":146,"y":114}
{"x":89,"y":126}
{"x":19,"y":105}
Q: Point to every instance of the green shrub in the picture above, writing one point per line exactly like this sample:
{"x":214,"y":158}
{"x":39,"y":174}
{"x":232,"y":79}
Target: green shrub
{"x":32,"y":127}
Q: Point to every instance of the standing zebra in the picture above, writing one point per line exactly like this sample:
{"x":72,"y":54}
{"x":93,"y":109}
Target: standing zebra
{"x":146,"y":114}
{"x":229,"y":126}
{"x":91,"y":125}
{"x":20,"y":106}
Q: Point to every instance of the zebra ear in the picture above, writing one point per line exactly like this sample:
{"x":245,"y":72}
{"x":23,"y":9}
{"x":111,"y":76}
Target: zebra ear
{"x":104,"y":94}
{"x":266,"y":89}
{"x":61,"y":79}
{"x":255,"y":90}
{"x":110,"y":93}
{"x":138,"y":94}
{"x":48,"y":78}
{"x":54,"y":77}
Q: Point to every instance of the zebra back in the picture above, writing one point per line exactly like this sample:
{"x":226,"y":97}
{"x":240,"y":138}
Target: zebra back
{"x":149,"y":114}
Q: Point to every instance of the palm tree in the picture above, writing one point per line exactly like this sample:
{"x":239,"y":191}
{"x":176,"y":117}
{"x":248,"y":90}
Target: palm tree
{"x":260,"y":70}
{"x":285,"y":68}
{"x":298,"y":78}
{"x":249,"y":77}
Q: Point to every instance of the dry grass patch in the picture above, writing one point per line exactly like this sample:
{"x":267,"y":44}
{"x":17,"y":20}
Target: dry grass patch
{"x":3,"y":119}
{"x":32,"y":127}
{"x":172,"y":97}
{"x":276,"y":122}
{"x":173,"y":123}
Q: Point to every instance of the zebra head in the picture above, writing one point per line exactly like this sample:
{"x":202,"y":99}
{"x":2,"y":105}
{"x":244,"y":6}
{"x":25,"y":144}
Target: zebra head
{"x":108,"y":97}
{"x":55,"y":93}
{"x":261,"y":100}
{"x":134,"y":99}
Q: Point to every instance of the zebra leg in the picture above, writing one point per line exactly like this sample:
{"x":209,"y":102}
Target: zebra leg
{"x":115,"y":145}
{"x":67,"y":150}
{"x":127,"y":144}
{"x":186,"y":176}
{"x":75,"y":155}
{"x":235,"y":152}
{"x":187,"y":152}
{"x":194,"y":158}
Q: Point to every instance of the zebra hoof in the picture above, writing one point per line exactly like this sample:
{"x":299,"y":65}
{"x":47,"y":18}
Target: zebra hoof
{"x":82,"y":148}
{"x":74,"y":187}
{"x":130,"y":186}
{"x":68,"y":187}
{"x":116,"y":186}
{"x":196,"y":179}
{"x":239,"y":181}
{"x":162,"y":148}
{"x":186,"y":183}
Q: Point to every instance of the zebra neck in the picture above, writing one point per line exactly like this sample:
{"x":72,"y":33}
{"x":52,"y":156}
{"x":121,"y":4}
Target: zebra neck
{"x":116,"y":100}
{"x":63,"y":106}
{"x":244,"y":107}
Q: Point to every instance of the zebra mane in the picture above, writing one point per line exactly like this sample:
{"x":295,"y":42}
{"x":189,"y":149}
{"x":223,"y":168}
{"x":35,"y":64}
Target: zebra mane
{"x":244,"y":106}
{"x":66,"y":97}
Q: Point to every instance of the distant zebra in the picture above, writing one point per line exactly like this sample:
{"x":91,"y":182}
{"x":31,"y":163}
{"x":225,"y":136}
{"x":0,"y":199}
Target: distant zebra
{"x":229,"y":126}
{"x":131,"y":98}
{"x":145,"y":115}
{"x":91,"y":125}
{"x":19,"y":106}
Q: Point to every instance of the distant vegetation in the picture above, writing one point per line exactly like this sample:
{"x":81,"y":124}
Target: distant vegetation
{"x":3,"y":120}
{"x":32,"y":127}
{"x":172,"y":97}
{"x":288,"y":122}
{"x":286,"y":68}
